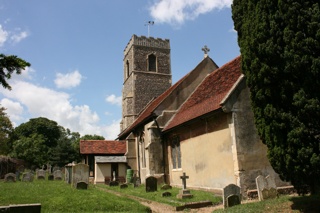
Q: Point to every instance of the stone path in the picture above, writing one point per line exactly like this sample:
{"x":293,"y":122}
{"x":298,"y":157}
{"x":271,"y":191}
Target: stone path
{"x":157,"y":207}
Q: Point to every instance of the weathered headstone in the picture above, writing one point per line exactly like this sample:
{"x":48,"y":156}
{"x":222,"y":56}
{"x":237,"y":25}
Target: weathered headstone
{"x":57,"y":175}
{"x":50,"y":177}
{"x":231,"y":195}
{"x":151,"y":184}
{"x":80,"y":173}
{"x":166,"y":194}
{"x":41,"y":174}
{"x":184,"y":192}
{"x":27,"y":177}
{"x":136,"y":182}
{"x":82,"y":185}
{"x":113,"y":183}
{"x":49,"y":168}
{"x":10,"y":177}
{"x":266,"y":187}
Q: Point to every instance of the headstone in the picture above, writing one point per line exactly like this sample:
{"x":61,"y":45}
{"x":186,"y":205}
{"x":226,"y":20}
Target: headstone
{"x":166,"y":187}
{"x":80,"y":173}
{"x":10,"y":177}
{"x":113,"y":183}
{"x":151,"y":184}
{"x":266,"y":187}
{"x":136,"y":182}
{"x":81,"y":185}
{"x":231,"y":195}
{"x":184,"y":192}
{"x":18,"y":175}
{"x":49,"y":168}
{"x":41,"y":174}
{"x":27,"y":177}
{"x":57,"y":175}
{"x":50,"y":177}
{"x":123,"y":186}
{"x":166,"y":194}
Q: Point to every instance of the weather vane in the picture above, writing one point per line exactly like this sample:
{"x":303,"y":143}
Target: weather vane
{"x":149,"y":23}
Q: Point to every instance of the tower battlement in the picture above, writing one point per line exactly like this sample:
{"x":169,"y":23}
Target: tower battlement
{"x":147,"y":42}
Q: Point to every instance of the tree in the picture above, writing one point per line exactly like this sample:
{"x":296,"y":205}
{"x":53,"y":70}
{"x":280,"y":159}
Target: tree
{"x":6,"y":129}
{"x":92,"y":137}
{"x":35,"y":140}
{"x":280,"y":53}
{"x":8,"y":65}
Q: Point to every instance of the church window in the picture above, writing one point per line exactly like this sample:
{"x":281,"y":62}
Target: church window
{"x":127,"y":69}
{"x":175,"y":153}
{"x":152,"y":63}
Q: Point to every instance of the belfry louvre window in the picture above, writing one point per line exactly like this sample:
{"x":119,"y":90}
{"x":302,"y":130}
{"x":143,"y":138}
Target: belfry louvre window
{"x":152,"y":63}
{"x":175,"y":152}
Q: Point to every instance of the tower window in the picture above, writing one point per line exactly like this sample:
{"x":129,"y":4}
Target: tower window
{"x":152,"y":63}
{"x":127,"y":69}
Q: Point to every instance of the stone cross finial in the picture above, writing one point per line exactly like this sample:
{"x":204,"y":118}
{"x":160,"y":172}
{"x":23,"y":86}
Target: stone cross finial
{"x":184,"y":180}
{"x":205,"y":49}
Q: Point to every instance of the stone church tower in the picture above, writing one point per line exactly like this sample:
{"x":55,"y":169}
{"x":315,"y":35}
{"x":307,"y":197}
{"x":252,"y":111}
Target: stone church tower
{"x":147,"y":74}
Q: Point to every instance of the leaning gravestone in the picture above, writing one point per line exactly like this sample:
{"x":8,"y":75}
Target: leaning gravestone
{"x":80,"y":173}
{"x":231,"y":195}
{"x":10,"y":177}
{"x":57,"y":175}
{"x":266,"y":187}
{"x":151,"y":184}
{"x":41,"y":174}
{"x":27,"y":177}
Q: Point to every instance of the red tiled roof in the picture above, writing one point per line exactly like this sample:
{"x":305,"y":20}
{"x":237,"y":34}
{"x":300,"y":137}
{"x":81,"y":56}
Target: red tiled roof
{"x":147,"y":113}
{"x":209,"y":94}
{"x":102,"y":147}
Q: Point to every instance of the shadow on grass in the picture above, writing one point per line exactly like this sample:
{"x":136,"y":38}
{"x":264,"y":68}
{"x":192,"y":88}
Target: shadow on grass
{"x":306,"y":204}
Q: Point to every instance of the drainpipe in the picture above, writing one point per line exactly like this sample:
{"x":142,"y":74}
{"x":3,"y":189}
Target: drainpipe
{"x":162,"y":142}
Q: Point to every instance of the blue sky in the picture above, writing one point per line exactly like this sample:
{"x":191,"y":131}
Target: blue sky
{"x":75,"y":48}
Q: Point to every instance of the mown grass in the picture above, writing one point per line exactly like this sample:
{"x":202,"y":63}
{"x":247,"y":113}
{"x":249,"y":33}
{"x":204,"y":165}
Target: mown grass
{"x":309,"y":204}
{"x":58,"y":196}
{"x":140,"y":191}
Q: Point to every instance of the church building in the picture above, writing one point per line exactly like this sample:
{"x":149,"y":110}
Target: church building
{"x":202,"y":125}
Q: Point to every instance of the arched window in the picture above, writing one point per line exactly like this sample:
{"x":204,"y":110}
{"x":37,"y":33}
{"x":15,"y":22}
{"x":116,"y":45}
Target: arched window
{"x":127,"y":69}
{"x":152,"y":63}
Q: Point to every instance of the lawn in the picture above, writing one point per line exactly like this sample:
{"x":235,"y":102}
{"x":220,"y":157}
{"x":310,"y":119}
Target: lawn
{"x":140,"y":191}
{"x":309,"y":204}
{"x":58,"y":196}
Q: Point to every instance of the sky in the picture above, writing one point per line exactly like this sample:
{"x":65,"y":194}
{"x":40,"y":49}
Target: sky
{"x":75,"y":48}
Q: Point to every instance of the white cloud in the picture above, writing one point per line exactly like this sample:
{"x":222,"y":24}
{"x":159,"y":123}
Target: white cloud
{"x":3,"y":36}
{"x":178,"y":11}
{"x":114,"y":99}
{"x":16,"y":38}
{"x":68,"y":80}
{"x":13,"y":109}
{"x":44,"y":102}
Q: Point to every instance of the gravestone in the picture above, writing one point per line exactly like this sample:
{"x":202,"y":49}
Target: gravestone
{"x":49,"y":168}
{"x":136,"y":182}
{"x":231,"y":195}
{"x":82,"y":185}
{"x":41,"y":174}
{"x":18,"y":175}
{"x":10,"y":177}
{"x":57,"y":175}
{"x":184,"y":192}
{"x":80,"y":173}
{"x":113,"y":183}
{"x":151,"y":184}
{"x":266,"y":187}
{"x":166,"y":194}
{"x":27,"y":177}
{"x":50,"y":177}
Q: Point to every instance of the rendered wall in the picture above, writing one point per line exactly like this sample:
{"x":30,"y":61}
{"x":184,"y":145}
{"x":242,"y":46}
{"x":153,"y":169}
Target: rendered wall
{"x":101,"y":171}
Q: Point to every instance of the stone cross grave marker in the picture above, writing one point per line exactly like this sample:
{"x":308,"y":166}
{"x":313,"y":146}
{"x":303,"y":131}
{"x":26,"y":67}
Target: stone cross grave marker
{"x":41,"y":174}
{"x":57,"y":175}
{"x":151,"y":184}
{"x":266,"y":187}
{"x":80,"y":173}
{"x":184,"y":193}
{"x":231,"y":195}
{"x":10,"y":177}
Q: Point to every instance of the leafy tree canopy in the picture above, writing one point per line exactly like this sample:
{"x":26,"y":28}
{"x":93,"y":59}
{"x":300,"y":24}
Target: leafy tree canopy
{"x":92,"y":137}
{"x":6,"y":129}
{"x":8,"y":65}
{"x":280,"y":52}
